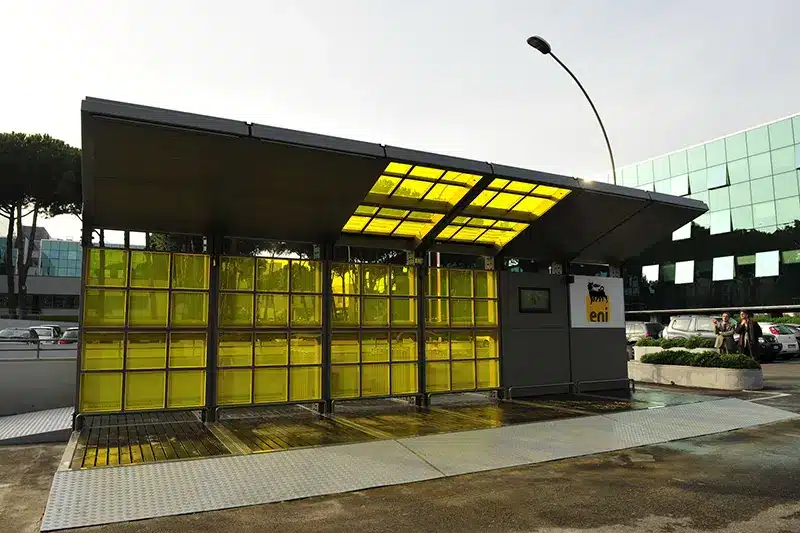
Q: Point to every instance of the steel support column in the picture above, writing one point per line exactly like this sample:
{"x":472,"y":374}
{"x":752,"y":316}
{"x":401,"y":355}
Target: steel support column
{"x":566,"y":276}
{"x":500,"y":267}
{"x":214,"y":249}
{"x":86,"y":245}
{"x":326,"y":256}
{"x":422,"y":399}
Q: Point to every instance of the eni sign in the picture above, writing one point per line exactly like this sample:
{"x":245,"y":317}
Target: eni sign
{"x":598,"y":306}
{"x":597,"y":302}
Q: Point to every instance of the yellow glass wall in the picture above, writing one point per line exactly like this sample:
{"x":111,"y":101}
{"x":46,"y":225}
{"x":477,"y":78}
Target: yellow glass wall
{"x":461,"y":330}
{"x":374,"y":339}
{"x":270,"y":342}
{"x":144,"y":334}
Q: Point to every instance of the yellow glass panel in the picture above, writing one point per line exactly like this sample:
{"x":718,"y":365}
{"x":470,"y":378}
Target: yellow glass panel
{"x":148,"y":308}
{"x":534,"y":206}
{"x":306,"y":310}
{"x":234,"y":386}
{"x":375,"y":347}
{"x":505,"y":224}
{"x":366,"y":210}
{"x":461,"y":313}
{"x":463,"y":375}
{"x":462,"y":345}
{"x":235,"y":309}
{"x":272,"y":349}
{"x":305,"y":383}
{"x":187,"y":350}
{"x":376,"y":279}
{"x":404,"y":379}
{"x":412,"y":229}
{"x":384,"y":185}
{"x":104,"y":307}
{"x":437,"y":312}
{"x":306,"y":276}
{"x":400,"y":169}
{"x":272,"y":275}
{"x":381,"y":226}
{"x":412,"y":189}
{"x":186,"y":388}
{"x":498,"y":183}
{"x":461,"y":220}
{"x":437,"y":345}
{"x":422,"y":216}
{"x":520,"y":186}
{"x":107,"y":268}
{"x":237,"y":273}
{"x":488,"y":374}
{"x":190,"y":271}
{"x":449,"y":194}
{"x":145,"y":391}
{"x":345,"y":278}
{"x":426,"y":172}
{"x":467,"y":234}
{"x":146,"y":351}
{"x":305,"y":349}
{"x":102,"y":351}
{"x":404,"y":346}
{"x":486,"y":345}
{"x":101,"y":392}
{"x":460,"y":177}
{"x":504,"y":201}
{"x":481,"y":222}
{"x":189,"y":309}
{"x":149,"y":270}
{"x":235,"y":348}
{"x":499,"y":237}
{"x":345,"y":311}
{"x":345,"y":348}
{"x":345,"y":380}
{"x":404,"y":312}
{"x":375,"y":380}
{"x":404,"y":281}
{"x":485,"y":284}
{"x":483,"y":198}
{"x":272,"y":310}
{"x":461,"y":283}
{"x":448,"y":232}
{"x":355,"y":224}
{"x":552,"y":192}
{"x":437,"y":284}
{"x":437,"y":376}
{"x":485,"y":312}
{"x":270,"y":385}
{"x":388,"y":212}
{"x":375,"y":312}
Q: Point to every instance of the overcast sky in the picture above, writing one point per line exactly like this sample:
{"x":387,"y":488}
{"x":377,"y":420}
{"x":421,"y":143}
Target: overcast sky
{"x":447,"y":76}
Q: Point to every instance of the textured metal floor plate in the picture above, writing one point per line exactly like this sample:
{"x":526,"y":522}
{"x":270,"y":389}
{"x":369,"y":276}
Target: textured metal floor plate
{"x":33,"y":427}
{"x":90,"y":497}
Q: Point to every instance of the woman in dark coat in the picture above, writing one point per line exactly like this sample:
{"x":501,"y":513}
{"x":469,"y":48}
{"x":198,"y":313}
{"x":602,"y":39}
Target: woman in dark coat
{"x":749,"y":331}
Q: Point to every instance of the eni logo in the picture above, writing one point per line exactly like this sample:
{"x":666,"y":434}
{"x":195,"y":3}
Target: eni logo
{"x":597,"y":304}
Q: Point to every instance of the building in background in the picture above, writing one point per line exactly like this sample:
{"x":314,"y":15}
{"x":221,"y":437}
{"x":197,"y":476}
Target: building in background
{"x":743,"y":253}
{"x":60,"y":258}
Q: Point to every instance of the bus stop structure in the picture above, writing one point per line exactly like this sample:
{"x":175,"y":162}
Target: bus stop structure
{"x":208,"y":329}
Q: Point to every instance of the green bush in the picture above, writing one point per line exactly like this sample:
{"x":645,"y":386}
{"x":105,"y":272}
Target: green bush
{"x":699,"y":342}
{"x":673,"y":343}
{"x":702,"y":359}
{"x":778,"y":319}
{"x":648,"y":341}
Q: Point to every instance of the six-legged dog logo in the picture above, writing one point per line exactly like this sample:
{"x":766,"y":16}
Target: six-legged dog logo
{"x":598,"y":308}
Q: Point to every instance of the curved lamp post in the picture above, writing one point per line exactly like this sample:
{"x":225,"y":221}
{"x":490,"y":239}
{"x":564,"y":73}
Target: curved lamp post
{"x":544,"y":47}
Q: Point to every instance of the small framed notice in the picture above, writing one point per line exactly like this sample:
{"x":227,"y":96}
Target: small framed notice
{"x":534,"y":300}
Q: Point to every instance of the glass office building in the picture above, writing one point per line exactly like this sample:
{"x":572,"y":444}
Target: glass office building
{"x":60,"y":258}
{"x":744,"y":252}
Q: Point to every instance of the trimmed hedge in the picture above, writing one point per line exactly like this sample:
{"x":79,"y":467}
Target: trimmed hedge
{"x":702,"y":359}
{"x":778,"y":319}
{"x":691,"y":343}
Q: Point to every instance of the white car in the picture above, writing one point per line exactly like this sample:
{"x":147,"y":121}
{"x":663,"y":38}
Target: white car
{"x":785,"y":336}
{"x":47,"y":334}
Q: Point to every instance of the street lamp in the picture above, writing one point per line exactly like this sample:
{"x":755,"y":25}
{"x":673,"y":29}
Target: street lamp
{"x":544,"y":47}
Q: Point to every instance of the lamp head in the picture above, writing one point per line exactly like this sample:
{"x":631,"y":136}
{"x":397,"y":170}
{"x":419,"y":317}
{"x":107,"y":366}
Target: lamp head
{"x":540,"y":44}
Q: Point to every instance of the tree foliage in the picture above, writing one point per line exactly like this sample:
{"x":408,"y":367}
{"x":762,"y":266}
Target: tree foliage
{"x":40,"y":176}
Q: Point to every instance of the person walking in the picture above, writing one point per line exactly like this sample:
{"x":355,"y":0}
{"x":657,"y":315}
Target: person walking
{"x":724,"y":329}
{"x":749,"y":331}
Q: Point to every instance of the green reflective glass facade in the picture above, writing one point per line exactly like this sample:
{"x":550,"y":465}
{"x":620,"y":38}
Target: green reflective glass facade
{"x":751,"y":184}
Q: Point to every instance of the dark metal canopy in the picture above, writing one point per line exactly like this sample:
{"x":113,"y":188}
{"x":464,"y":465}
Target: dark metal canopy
{"x":150,"y":169}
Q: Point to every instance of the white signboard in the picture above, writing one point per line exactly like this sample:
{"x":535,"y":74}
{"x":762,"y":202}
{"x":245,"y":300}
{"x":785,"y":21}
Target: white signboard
{"x":597,"y":302}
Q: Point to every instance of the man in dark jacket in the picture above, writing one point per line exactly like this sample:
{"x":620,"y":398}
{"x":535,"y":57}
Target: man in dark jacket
{"x":749,"y":332}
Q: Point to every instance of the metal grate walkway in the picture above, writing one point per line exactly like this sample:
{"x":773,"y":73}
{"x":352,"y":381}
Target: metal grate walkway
{"x":52,"y":425}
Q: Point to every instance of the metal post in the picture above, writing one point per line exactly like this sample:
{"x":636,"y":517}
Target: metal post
{"x":565,"y":271}
{"x":326,"y":405}
{"x":86,"y":245}
{"x":500,"y":271}
{"x":215,"y":251}
{"x":422,"y":399}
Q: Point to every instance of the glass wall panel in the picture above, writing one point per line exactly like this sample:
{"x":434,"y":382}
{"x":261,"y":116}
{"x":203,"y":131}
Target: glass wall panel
{"x":684,"y":272}
{"x":678,"y":164}
{"x":739,"y":171}
{"x":736,"y":147}
{"x":786,"y":184}
{"x":760,"y":166}
{"x":768,"y":264}
{"x":780,"y":134}
{"x":764,"y":215}
{"x":757,"y":141}
{"x":787,"y":210}
{"x":720,"y":222}
{"x":717,"y":176}
{"x":740,"y":194}
{"x":742,"y":218}
{"x":723,"y":268}
{"x":718,"y":199}
{"x":715,"y":153}
{"x":783,"y":160}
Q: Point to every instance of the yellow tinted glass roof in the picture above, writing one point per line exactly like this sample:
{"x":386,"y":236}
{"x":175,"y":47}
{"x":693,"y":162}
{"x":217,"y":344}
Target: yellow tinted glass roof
{"x":481,"y":231}
{"x":515,"y":200}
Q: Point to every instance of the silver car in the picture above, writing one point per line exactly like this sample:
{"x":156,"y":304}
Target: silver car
{"x":689,"y":326}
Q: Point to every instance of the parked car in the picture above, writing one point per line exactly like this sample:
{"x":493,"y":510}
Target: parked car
{"x":796,"y":330}
{"x":689,"y":326}
{"x":70,"y":336}
{"x":47,"y":334}
{"x":770,"y":348}
{"x":785,"y":336}
{"x":19,"y":335}
{"x":635,"y":331}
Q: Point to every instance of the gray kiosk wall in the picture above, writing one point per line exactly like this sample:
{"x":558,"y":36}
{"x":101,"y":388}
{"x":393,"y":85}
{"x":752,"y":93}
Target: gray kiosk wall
{"x":542,"y":353}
